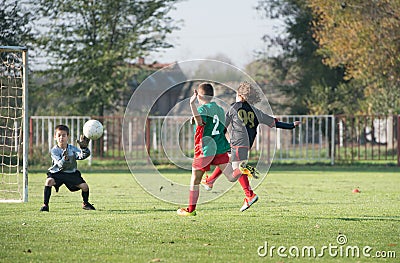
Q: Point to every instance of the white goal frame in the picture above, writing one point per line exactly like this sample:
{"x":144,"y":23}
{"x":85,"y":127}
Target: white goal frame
{"x":22,"y":168}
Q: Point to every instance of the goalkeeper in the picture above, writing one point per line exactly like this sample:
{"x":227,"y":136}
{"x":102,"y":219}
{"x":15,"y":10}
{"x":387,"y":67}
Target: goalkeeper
{"x":244,"y":119}
{"x":64,"y":169}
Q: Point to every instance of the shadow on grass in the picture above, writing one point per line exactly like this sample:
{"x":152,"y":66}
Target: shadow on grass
{"x":367,"y":218}
{"x":335,"y":168}
{"x":137,"y":211}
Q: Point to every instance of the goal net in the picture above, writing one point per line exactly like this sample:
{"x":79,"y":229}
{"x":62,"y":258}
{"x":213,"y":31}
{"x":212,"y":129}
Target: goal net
{"x":13,"y":124}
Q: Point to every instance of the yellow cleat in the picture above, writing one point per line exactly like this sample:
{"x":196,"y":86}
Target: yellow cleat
{"x":249,"y":170}
{"x":184,"y":212}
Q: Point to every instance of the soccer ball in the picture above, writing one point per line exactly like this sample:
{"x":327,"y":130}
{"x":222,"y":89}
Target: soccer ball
{"x":93,"y":129}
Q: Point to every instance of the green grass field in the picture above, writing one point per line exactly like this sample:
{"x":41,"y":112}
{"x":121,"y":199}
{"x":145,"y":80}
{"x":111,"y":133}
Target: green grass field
{"x":300,"y":208}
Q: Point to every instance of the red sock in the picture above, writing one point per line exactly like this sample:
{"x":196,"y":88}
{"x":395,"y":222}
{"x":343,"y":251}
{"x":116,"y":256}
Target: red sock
{"x":237,"y":173}
{"x":244,"y":182}
{"x":214,"y":176}
{"x":193,"y":197}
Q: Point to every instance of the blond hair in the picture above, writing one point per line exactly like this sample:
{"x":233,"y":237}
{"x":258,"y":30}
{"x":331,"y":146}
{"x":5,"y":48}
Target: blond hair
{"x":248,"y":92}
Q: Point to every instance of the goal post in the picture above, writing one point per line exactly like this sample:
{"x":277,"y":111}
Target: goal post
{"x":14,"y":123}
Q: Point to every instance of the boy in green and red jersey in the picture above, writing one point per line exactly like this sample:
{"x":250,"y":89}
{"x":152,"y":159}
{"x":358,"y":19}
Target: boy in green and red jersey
{"x":211,"y":145}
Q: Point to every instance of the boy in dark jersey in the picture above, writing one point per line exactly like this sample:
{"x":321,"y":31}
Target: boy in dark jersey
{"x":211,"y":145}
{"x":244,"y":119}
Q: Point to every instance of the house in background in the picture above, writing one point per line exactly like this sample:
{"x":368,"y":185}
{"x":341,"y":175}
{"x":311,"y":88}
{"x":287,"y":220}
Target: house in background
{"x":164,"y":98}
{"x":160,"y":86}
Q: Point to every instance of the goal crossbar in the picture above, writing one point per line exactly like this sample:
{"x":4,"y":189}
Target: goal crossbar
{"x":11,"y":48}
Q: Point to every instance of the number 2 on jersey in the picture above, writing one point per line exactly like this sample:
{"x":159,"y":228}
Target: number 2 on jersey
{"x":247,"y":117}
{"x":215,"y":130}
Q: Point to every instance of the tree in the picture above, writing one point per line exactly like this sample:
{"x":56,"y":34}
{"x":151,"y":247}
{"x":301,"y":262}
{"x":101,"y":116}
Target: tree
{"x":267,"y":77}
{"x":90,"y":45}
{"x":17,"y":29}
{"x":308,"y":85}
{"x":363,"y":38}
{"x":15,"y":24}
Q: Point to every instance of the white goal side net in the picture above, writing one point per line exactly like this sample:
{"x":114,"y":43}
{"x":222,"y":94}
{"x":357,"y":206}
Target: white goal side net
{"x":13,"y":124}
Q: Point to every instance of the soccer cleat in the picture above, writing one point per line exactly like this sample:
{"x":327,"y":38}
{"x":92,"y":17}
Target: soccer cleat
{"x":206,"y":185}
{"x":248,"y":201}
{"x":249,"y":170}
{"x":44,"y":208}
{"x":88,"y":206}
{"x":185,"y":212}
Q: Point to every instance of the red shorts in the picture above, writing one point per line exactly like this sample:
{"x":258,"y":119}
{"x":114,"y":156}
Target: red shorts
{"x":204,"y":163}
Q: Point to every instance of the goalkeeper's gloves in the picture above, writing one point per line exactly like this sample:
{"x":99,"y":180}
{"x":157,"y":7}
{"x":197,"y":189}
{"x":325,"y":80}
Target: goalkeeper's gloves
{"x":83,"y":142}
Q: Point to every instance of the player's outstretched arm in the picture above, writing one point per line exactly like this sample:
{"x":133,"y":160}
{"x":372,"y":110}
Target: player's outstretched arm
{"x":286,"y":125}
{"x":197,"y":118}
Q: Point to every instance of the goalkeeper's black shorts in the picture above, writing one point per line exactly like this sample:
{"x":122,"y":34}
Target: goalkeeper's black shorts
{"x":71,"y":180}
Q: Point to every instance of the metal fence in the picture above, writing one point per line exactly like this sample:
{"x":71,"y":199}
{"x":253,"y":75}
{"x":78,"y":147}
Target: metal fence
{"x":367,"y":137}
{"x":325,"y":138}
{"x":310,"y":141}
{"x":41,"y":134}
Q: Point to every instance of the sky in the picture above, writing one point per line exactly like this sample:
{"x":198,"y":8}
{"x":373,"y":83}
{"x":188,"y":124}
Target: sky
{"x":233,"y":28}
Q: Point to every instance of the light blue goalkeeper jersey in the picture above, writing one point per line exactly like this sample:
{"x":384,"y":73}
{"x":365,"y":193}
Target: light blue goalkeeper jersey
{"x":70,"y":166}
